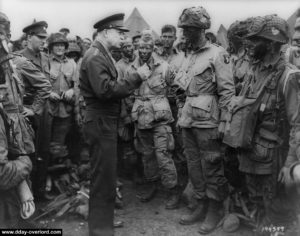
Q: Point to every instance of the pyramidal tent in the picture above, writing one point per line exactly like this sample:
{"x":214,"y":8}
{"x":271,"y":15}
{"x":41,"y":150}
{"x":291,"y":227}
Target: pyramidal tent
{"x":222,"y":36}
{"x":136,"y":24}
{"x":292,"y":20}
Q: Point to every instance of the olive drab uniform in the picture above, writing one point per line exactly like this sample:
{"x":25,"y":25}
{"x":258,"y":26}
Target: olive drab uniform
{"x":12,"y":173}
{"x":175,"y":60}
{"x":126,"y":126}
{"x":152,"y":115}
{"x":40,"y":122}
{"x":277,"y":113}
{"x":206,"y":75}
{"x":62,"y":78}
{"x":23,"y":73}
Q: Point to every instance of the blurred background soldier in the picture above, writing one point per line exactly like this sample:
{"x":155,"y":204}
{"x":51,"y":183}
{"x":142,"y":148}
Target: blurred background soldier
{"x":237,"y":50}
{"x":135,"y":40}
{"x":65,"y":32}
{"x":206,"y":77}
{"x":34,"y":52}
{"x":36,"y":39}
{"x":102,"y":93}
{"x":293,"y":52}
{"x":86,"y":44}
{"x":61,"y":99}
{"x":175,"y":59}
{"x":152,"y":115}
{"x":270,"y":91}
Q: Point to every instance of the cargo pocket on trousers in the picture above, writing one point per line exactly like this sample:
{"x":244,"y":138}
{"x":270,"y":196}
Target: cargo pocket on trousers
{"x":170,"y":139}
{"x":260,"y":153}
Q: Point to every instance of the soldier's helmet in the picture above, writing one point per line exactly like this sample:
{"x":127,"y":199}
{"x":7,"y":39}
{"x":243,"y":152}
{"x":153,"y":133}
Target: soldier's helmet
{"x":57,"y":38}
{"x":194,"y":17}
{"x":239,"y":29}
{"x":73,"y":47}
{"x":270,"y":27}
{"x":297,"y":24}
{"x":4,"y":24}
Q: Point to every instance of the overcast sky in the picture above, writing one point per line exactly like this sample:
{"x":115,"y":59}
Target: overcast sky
{"x":80,"y":15}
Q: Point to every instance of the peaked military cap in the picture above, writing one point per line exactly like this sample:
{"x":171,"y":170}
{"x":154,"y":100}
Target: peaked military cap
{"x":111,"y":22}
{"x":37,"y":28}
{"x":64,"y":30}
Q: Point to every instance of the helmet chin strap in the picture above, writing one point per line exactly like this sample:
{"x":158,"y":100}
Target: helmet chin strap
{"x":4,"y":44}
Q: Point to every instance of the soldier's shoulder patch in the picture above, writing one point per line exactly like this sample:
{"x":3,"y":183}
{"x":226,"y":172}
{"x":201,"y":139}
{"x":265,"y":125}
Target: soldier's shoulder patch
{"x":226,"y":58}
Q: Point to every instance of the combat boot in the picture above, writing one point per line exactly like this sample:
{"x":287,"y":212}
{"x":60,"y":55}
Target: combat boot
{"x":173,"y":199}
{"x":148,"y":193}
{"x":198,"y":214}
{"x":214,"y":214}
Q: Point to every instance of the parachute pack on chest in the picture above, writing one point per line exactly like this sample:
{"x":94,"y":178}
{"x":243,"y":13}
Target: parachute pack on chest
{"x":256,"y":115}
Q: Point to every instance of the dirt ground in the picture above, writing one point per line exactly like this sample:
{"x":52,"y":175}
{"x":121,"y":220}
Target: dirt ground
{"x":146,"y":219}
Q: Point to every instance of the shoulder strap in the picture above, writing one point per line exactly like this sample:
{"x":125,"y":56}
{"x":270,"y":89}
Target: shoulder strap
{"x":6,"y":124}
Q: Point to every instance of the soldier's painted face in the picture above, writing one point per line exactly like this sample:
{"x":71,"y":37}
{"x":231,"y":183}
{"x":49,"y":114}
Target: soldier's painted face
{"x":86,"y":43}
{"x":191,"y":34}
{"x":115,"y":37}
{"x":127,"y":49}
{"x":145,"y":51}
{"x":59,"y":49}
{"x":36,"y":43}
{"x":257,"y":48}
{"x":168,"y":39}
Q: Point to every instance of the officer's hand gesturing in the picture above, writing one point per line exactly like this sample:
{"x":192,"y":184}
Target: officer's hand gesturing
{"x":27,"y":112}
{"x":54,"y":97}
{"x":68,"y":95}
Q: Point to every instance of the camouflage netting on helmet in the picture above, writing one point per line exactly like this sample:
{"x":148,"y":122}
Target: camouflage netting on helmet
{"x":239,"y":29}
{"x":4,"y":24}
{"x":194,"y":17}
{"x":57,"y":38}
{"x":270,"y":27}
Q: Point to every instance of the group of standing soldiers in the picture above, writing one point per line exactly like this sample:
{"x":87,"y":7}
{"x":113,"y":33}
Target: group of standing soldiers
{"x":194,"y":101}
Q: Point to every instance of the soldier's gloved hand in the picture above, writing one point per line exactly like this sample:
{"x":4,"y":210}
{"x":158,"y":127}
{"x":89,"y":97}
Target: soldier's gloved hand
{"x":144,"y":72}
{"x":54,"y":97}
{"x":68,"y":95}
{"x":28,"y":112}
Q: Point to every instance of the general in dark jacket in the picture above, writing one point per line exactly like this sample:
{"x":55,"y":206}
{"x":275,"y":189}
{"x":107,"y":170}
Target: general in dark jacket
{"x":102,"y":94}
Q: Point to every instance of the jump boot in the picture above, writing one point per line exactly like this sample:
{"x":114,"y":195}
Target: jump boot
{"x":149,"y":192}
{"x":198,"y":214}
{"x":214,"y":214}
{"x":173,"y":198}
